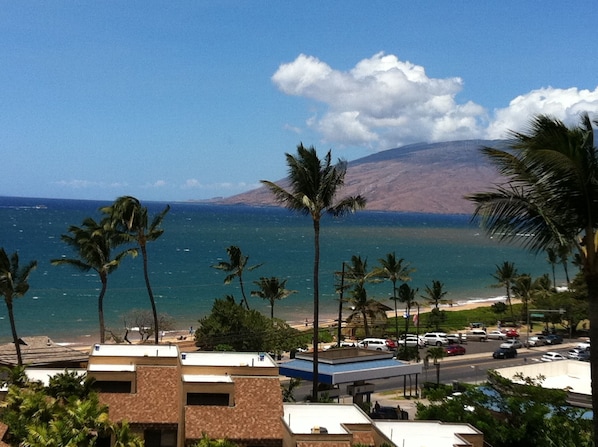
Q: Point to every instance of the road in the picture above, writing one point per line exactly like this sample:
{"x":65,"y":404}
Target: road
{"x":469,"y":368}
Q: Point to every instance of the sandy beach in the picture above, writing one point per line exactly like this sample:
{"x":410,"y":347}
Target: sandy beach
{"x":184,"y":337}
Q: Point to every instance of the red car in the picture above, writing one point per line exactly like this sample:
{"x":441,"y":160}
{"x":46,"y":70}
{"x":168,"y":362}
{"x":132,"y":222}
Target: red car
{"x":512,"y":333}
{"x":455,"y":350}
{"x":391,"y":344}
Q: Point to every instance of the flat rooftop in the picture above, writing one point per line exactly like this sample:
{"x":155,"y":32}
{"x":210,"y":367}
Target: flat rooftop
{"x":161,"y":351}
{"x":561,"y":374}
{"x":420,"y":433}
{"x":302,"y":418}
{"x":213,"y":358}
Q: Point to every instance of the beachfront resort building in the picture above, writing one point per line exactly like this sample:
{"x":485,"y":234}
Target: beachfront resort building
{"x":172,"y":399}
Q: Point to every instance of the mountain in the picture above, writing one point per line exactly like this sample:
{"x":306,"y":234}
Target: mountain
{"x":427,"y":178}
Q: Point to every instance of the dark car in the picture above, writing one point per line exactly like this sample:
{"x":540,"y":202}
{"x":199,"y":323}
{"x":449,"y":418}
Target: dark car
{"x":454,"y":350}
{"x":554,"y":339}
{"x":505,"y":353}
{"x":584,"y":356}
{"x":388,"y":413}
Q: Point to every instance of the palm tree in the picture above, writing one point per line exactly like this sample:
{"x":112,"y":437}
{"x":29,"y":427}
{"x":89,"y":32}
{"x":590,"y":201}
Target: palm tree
{"x":272,"y":290}
{"x":551,"y":195}
{"x":435,"y":296}
{"x":407,"y":296}
{"x":505,"y":275}
{"x":131,"y":218}
{"x":13,"y":284}
{"x":235,"y":268}
{"x":551,"y":257}
{"x":363,"y":307}
{"x":93,"y":243}
{"x":314,"y":184}
{"x":393,"y":269}
{"x":436,"y":353}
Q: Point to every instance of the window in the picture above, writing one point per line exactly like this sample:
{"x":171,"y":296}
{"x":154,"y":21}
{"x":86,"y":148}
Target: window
{"x":113,"y":386}
{"x":215,"y":399}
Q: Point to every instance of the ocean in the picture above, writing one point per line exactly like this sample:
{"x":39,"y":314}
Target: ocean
{"x":62,"y":301}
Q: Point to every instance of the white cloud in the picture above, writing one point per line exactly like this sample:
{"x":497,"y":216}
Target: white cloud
{"x":85,"y":184}
{"x":384,"y":102}
{"x":240,"y":186}
{"x":564,"y":104}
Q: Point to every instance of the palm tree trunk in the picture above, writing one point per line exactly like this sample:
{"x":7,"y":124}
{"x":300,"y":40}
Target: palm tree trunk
{"x":509,"y":301}
{"x":150,"y":294}
{"x":104,"y":279}
{"x":272,"y":309}
{"x":13,"y":328}
{"x":366,"y":327}
{"x":243,"y":292}
{"x":317,"y":308}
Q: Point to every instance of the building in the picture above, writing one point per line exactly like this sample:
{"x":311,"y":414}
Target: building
{"x":171,"y":399}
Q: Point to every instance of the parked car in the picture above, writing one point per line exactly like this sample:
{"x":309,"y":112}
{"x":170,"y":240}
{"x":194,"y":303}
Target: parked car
{"x":477,"y":335}
{"x":378,"y":344}
{"x":457,"y":338}
{"x":511,"y":343}
{"x":512,"y":333}
{"x":583,"y":345}
{"x":496,"y":335}
{"x":412,"y":341}
{"x":537,"y":340}
{"x":552,"y":356}
{"x":454,"y":350}
{"x":576,"y":353}
{"x":554,"y":339}
{"x":348,"y":344}
{"x":435,"y":339}
{"x":505,"y":353}
{"x":584,"y":356}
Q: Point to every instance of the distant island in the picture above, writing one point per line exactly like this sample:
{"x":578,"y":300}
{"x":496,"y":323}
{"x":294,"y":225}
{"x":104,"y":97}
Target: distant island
{"x":426,"y":178}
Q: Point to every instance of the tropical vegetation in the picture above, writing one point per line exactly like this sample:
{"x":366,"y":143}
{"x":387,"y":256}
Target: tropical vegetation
{"x":14,"y":284}
{"x":313,"y":187}
{"x":235,"y":268}
{"x":131,"y":220}
{"x":550,"y":195}
{"x":93,"y":244}
{"x":67,"y":412}
{"x":511,"y":414}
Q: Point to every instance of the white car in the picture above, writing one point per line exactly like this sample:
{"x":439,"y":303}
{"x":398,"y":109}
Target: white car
{"x":376,"y":344}
{"x":511,"y":343}
{"x":537,"y":340}
{"x":435,"y":339}
{"x":553,"y":356}
{"x":496,"y":335}
{"x":412,"y":341}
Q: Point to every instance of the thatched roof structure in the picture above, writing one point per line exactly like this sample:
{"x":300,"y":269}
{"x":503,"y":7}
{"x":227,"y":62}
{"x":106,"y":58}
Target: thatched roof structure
{"x":42,"y":351}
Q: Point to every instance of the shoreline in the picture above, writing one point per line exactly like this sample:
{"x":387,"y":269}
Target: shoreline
{"x":184,"y":337}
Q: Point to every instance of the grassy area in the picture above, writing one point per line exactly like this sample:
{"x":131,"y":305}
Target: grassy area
{"x":458,"y":320}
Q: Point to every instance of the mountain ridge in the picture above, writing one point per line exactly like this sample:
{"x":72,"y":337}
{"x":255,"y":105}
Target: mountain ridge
{"x":422,"y":177}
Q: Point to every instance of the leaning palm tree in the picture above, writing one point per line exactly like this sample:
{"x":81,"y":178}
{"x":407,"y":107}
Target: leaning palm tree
{"x":505,"y":275}
{"x":93,"y":242}
{"x":131,"y":218}
{"x":272,"y":289}
{"x":394,"y":270}
{"x":551,"y":195}
{"x":13,"y":284}
{"x":313,"y":188}
{"x":235,"y":267}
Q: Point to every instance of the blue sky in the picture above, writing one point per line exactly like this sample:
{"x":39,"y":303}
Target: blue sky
{"x":172,"y":101}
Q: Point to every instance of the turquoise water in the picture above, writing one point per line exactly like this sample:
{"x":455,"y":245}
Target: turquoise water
{"x":62,"y":302}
